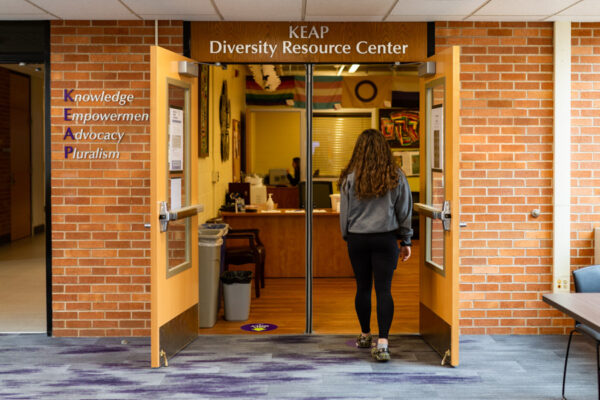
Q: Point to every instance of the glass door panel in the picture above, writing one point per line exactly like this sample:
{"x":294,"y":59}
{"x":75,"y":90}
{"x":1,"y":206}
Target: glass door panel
{"x":178,"y":182}
{"x":335,"y":129}
{"x":434,"y":171}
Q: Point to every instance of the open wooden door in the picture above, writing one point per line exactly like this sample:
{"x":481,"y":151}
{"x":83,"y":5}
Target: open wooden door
{"x":440,"y":95}
{"x":174,"y":193}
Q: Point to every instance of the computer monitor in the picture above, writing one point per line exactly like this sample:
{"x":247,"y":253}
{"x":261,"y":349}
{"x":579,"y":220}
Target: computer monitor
{"x":321,"y":192}
{"x":278,"y":177}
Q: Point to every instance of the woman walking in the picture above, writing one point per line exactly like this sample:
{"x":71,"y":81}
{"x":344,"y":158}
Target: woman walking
{"x":375,"y":212}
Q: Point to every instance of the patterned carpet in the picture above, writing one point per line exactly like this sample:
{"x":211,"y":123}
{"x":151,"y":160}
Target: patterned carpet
{"x":293,"y":367}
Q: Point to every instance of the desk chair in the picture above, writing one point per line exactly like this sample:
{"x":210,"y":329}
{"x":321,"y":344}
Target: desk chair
{"x":587,"y":280}
{"x":253,"y":253}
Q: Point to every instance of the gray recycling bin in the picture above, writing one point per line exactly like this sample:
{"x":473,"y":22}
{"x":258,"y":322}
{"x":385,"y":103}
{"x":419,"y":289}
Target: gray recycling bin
{"x":210,"y":241}
{"x":236,"y":294}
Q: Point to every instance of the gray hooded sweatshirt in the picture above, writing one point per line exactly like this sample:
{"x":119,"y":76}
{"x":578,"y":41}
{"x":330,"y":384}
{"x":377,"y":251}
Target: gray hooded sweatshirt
{"x":391,"y":212}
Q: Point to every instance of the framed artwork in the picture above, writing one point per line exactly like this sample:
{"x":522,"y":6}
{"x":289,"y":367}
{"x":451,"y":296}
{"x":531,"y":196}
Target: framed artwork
{"x":437,"y":138}
{"x":408,"y":161}
{"x":398,"y":159}
{"x":225,"y":121}
{"x":400,"y":127}
{"x":203,"y":117}
{"x":411,"y":163}
{"x":235,"y":132}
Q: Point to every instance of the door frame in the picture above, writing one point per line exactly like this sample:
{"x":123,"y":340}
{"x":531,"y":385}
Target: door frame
{"x":39,"y":44}
{"x":306,"y":152}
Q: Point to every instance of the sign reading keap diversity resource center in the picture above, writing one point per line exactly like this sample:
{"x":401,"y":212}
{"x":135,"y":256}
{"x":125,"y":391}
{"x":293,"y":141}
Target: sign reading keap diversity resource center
{"x":282,"y":42}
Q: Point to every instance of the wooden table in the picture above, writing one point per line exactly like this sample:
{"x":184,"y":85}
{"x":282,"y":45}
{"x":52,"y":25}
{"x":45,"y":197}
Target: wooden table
{"x":582,"y":307}
{"x":283,"y":237}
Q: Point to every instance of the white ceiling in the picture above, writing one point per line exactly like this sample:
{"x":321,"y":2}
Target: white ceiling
{"x":304,"y":10}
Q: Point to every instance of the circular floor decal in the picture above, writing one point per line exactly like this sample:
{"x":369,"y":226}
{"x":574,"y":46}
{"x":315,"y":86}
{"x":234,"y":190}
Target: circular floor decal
{"x":259,"y":327}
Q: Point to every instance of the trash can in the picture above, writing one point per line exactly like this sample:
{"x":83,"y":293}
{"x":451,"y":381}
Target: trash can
{"x":217,"y":223}
{"x":236,"y":294}
{"x":210,"y":242}
{"x":225,"y":228}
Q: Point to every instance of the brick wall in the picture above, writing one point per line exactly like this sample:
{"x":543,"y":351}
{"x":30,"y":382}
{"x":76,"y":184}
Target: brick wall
{"x":101,"y":251}
{"x":505,"y":172}
{"x":585,"y":140}
{"x":4,"y":156}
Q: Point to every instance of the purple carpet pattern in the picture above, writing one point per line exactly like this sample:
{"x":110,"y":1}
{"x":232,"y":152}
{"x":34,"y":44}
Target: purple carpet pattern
{"x":292,"y":367}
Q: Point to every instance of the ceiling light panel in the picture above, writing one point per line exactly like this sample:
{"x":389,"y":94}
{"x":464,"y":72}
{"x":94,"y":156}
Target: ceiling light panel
{"x":86,"y":9}
{"x":587,"y":9}
{"x":320,"y":8}
{"x":19,"y":9}
{"x":260,"y":10}
{"x":436,"y":8}
{"x":184,"y":9}
{"x":524,"y":8}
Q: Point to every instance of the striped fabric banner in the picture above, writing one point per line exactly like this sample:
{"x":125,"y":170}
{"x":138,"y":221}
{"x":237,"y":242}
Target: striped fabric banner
{"x":257,"y":96}
{"x":327,"y":92}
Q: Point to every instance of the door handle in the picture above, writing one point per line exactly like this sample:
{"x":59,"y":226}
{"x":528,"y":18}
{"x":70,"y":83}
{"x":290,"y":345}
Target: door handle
{"x":165,"y":215}
{"x":184,"y":212}
{"x":427,"y":211}
{"x":443,"y":215}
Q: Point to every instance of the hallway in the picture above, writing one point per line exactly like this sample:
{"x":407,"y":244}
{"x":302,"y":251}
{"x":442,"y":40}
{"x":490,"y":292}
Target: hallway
{"x":23,"y":286}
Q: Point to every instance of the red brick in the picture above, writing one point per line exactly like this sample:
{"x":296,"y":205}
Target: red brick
{"x":88,"y":221}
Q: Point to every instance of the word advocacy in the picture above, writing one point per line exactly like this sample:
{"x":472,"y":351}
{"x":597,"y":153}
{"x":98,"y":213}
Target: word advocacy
{"x":88,"y":134}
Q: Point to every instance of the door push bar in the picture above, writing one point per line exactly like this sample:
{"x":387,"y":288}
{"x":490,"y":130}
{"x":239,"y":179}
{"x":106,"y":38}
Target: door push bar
{"x":164,"y":215}
{"x":444,"y":215}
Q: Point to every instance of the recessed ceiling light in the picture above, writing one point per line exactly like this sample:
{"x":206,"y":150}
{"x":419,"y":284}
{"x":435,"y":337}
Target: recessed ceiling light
{"x":353,"y":68}
{"x":340,"y":70}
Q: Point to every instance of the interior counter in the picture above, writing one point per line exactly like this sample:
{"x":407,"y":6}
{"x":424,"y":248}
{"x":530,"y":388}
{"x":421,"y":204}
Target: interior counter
{"x":282,"y":234}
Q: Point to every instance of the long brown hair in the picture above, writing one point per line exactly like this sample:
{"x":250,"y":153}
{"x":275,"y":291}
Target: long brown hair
{"x":375,"y":172}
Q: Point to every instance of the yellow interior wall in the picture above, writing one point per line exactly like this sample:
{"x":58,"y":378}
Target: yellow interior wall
{"x":274,"y":140}
{"x":214,"y":174}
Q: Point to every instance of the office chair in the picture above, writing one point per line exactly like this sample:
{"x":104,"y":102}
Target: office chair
{"x":253,"y":253}
{"x":587,"y":280}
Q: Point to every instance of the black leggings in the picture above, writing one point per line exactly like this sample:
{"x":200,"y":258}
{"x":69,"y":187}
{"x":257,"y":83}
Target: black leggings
{"x":374,"y":255}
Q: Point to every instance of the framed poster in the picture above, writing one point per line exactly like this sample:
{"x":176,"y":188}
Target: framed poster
{"x":400,"y":127}
{"x":437,"y":138}
{"x":175,"y":152}
{"x":411,"y":163}
{"x":203,"y":117}
{"x":398,"y":159}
